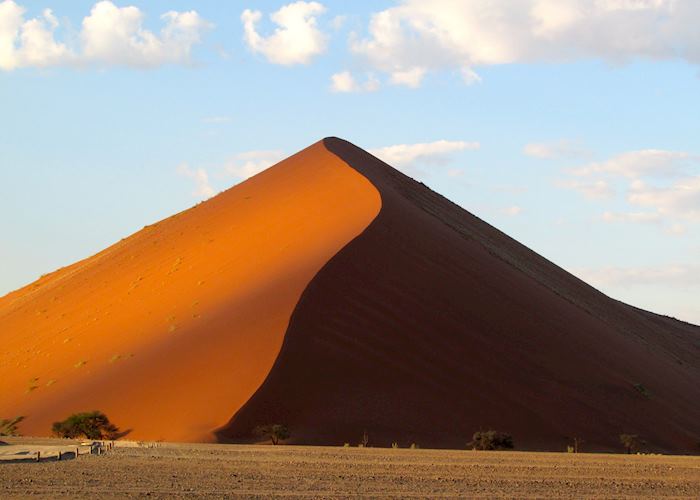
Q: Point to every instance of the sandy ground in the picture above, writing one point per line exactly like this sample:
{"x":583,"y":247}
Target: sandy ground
{"x":219,"y":471}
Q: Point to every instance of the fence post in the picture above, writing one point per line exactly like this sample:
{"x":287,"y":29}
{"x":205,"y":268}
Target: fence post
{"x":59,"y":456}
{"x":77,"y":452}
{"x":38,"y":456}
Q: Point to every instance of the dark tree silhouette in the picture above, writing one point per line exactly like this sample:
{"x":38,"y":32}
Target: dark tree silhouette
{"x":491,"y":440}
{"x":631,"y":442}
{"x":274,"y":432}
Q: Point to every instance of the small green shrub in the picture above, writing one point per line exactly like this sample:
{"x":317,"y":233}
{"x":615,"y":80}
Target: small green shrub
{"x":414,"y":446}
{"x":394,"y":445}
{"x":274,"y":432}
{"x":491,"y":440}
{"x":8,"y":426}
{"x":92,"y":425}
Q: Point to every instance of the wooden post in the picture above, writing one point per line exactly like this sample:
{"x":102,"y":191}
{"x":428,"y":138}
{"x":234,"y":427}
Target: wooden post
{"x":38,"y":456}
{"x":77,"y":452}
{"x":59,"y":456}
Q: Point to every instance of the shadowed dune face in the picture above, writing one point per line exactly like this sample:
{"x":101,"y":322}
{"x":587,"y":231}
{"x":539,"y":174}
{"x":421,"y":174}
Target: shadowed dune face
{"x":170,"y":331}
{"x":432,"y":325}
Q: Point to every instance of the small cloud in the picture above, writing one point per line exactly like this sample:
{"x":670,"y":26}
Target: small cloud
{"x":412,"y":77}
{"x":470,"y":77}
{"x":636,"y":164}
{"x":678,"y":200}
{"x":675,"y":275}
{"x":556,"y":150}
{"x":250,"y":163}
{"x":512,"y":211}
{"x":338,"y":21}
{"x":296,"y":40}
{"x":595,"y":189}
{"x":216,"y":119}
{"x":201,"y":179}
{"x":344,"y":82}
{"x":436,"y":153}
{"x":633,"y":217}
{"x":676,"y":229}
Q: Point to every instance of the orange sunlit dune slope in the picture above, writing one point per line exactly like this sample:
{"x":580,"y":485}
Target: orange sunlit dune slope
{"x":171,"y":330}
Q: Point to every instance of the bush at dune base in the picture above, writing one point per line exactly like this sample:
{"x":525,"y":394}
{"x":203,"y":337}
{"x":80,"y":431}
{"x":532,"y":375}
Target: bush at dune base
{"x":92,"y":425}
{"x":491,"y":440}
{"x":274,"y":432}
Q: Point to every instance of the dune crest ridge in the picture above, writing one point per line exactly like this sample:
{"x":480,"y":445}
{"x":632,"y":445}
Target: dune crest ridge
{"x":171,"y":330}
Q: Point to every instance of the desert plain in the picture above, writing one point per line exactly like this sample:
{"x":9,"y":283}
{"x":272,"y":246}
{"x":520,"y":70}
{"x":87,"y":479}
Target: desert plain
{"x":167,"y":470}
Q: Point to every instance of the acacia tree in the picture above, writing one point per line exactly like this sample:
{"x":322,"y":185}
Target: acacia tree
{"x":92,"y":425}
{"x":274,"y":432}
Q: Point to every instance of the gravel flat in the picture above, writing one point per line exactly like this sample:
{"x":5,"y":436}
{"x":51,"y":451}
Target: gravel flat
{"x":177,"y":470}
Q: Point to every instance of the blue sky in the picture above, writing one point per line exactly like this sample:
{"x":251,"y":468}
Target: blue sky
{"x":570,"y":125}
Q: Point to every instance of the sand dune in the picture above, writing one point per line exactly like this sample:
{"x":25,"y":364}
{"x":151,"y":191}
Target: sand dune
{"x":336,"y":295}
{"x":171,"y":330}
{"x":433,"y":324}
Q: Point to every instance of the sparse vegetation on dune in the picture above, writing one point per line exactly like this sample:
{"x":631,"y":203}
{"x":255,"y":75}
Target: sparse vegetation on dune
{"x":8,"y":426}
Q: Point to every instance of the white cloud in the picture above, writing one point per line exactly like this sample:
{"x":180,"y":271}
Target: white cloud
{"x":675,"y":275}
{"x":634,"y":217}
{"x":31,"y":42}
{"x":296,"y":40}
{"x":110,"y":35}
{"x":657,"y":182}
{"x":201,"y":180}
{"x":345,"y":82}
{"x":452,"y":34}
{"x":512,"y":211}
{"x":679,"y":200}
{"x":245,"y":165}
{"x":595,"y":189}
{"x":430,"y":153}
{"x":636,"y":164}
{"x":411,"y":77}
{"x":556,"y":150}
